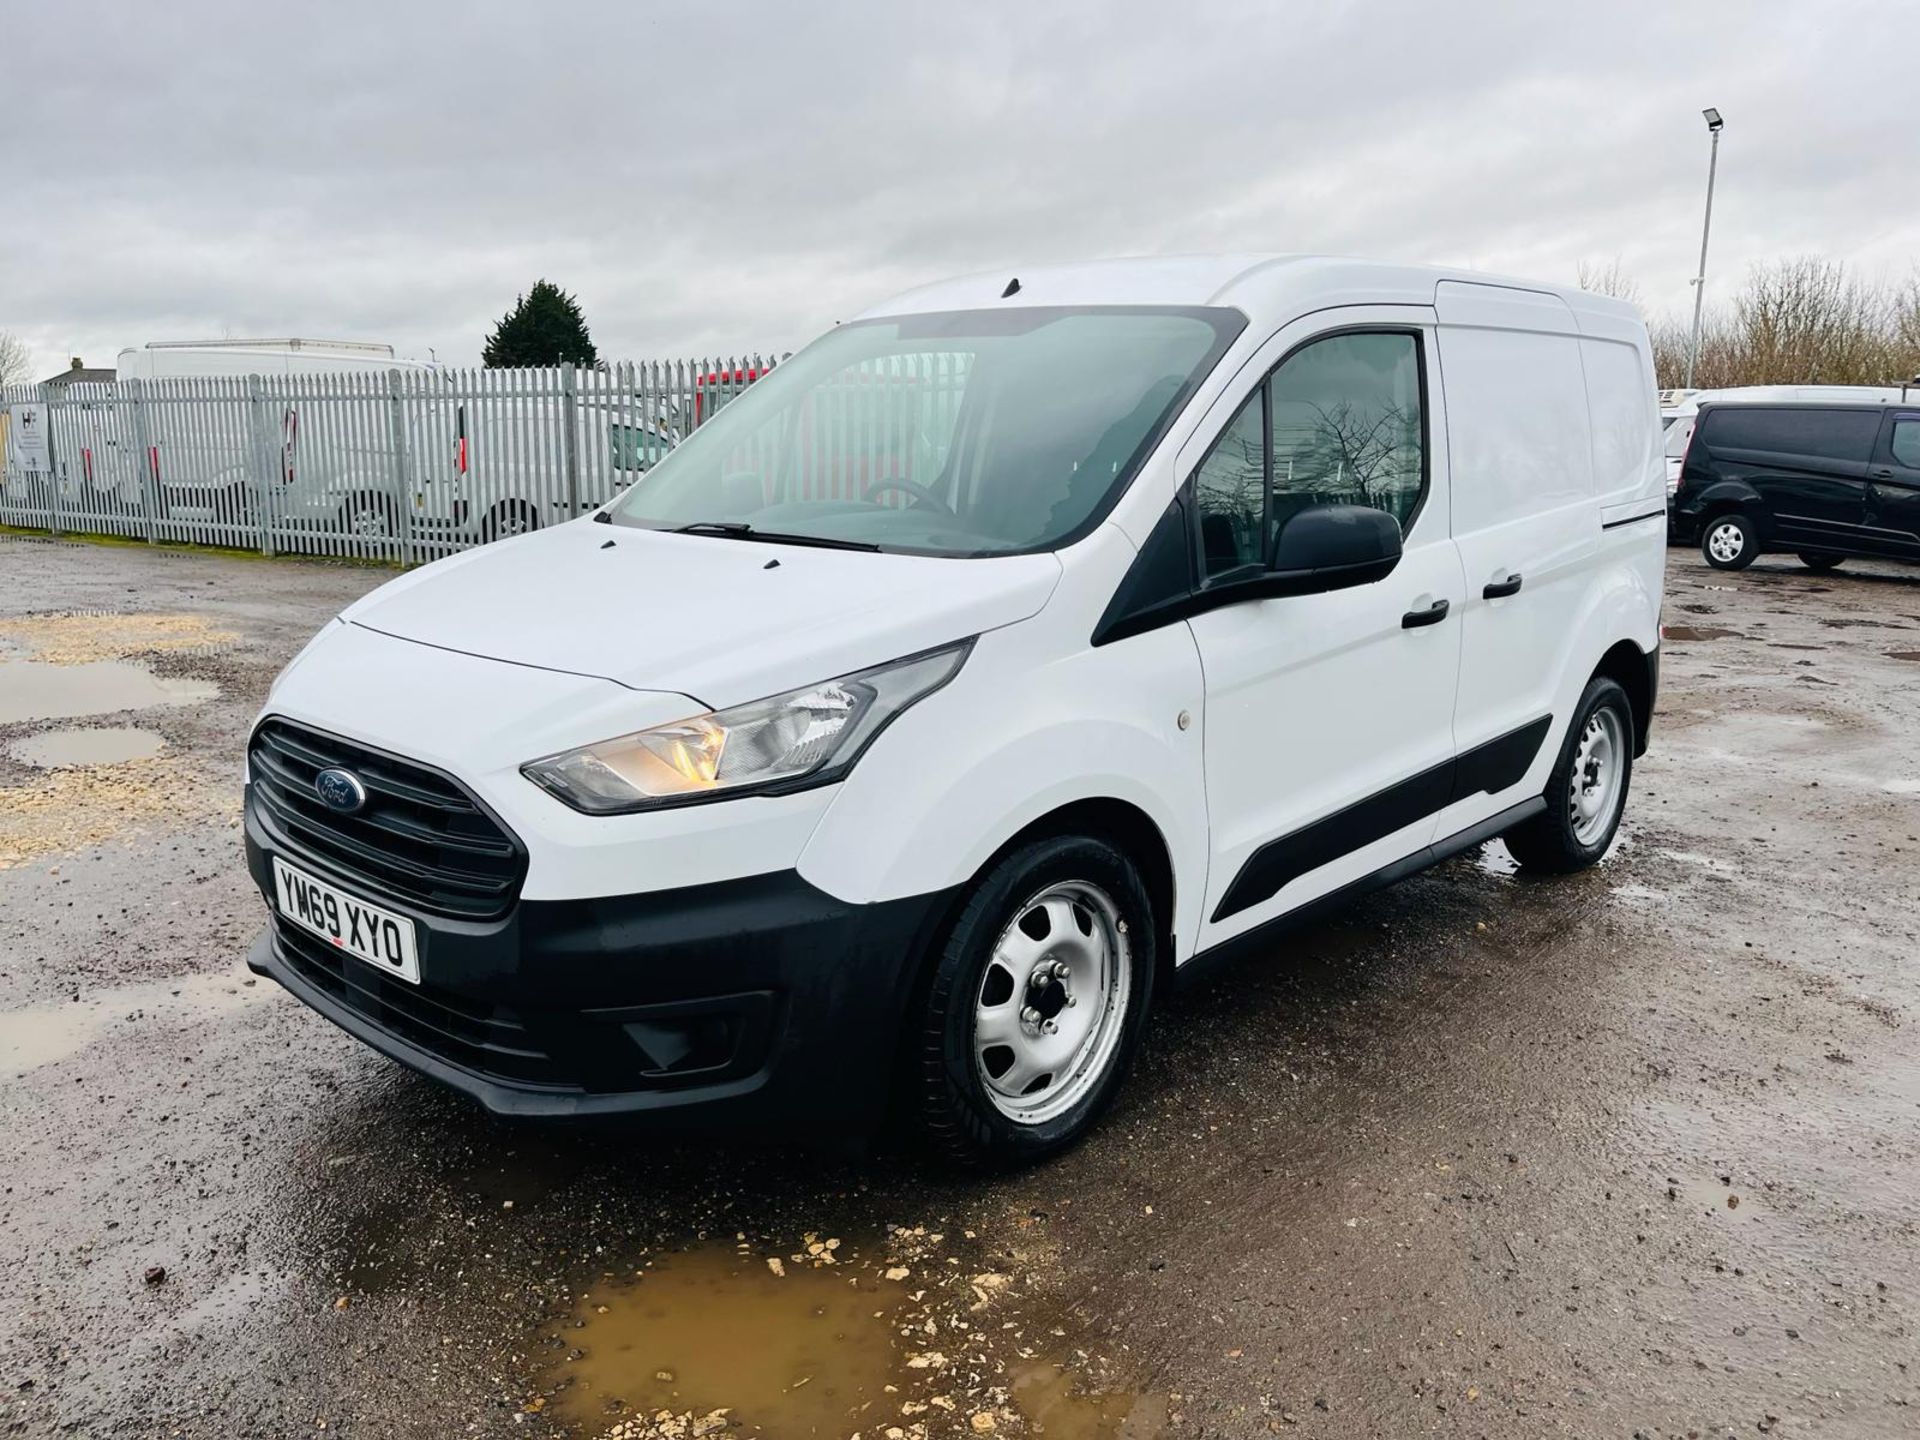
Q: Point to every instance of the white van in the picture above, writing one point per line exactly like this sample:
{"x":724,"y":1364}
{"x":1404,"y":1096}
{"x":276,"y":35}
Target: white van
{"x":203,"y":442}
{"x":997,"y":660}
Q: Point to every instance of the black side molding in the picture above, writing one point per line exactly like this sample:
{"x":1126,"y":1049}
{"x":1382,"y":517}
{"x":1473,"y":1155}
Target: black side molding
{"x":1485,"y":769}
{"x":1207,"y":962}
{"x":1659,"y":514}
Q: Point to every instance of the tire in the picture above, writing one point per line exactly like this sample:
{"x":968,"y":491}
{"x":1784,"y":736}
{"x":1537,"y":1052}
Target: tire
{"x":1813,"y":560}
{"x":972,"y":1103}
{"x":368,"y":518}
{"x":1729,"y":542}
{"x":1580,"y":822}
{"x":513,"y":517}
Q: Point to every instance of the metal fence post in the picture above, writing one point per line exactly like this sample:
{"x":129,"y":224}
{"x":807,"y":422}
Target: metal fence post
{"x":570,"y":436}
{"x":54,"y":487}
{"x":145,"y":459}
{"x":262,"y":466}
{"x":397,"y":437}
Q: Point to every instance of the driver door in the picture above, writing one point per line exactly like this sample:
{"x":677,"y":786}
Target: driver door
{"x":1329,"y":718}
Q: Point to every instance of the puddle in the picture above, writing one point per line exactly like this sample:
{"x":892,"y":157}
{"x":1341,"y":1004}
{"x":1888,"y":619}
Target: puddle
{"x":1045,"y":1395}
{"x":829,"y":1339}
{"x":64,"y":749}
{"x":1904,"y":655}
{"x":40,"y":690}
{"x":1496,"y":859}
{"x":1714,"y":1198}
{"x":41,"y":1035}
{"x":1700,"y":632}
{"x":809,"y":1352}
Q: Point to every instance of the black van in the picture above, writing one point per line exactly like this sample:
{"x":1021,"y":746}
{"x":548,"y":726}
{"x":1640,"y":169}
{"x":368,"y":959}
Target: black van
{"x":1824,"y":480}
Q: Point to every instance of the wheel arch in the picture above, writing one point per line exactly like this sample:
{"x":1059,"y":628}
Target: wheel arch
{"x":1135,"y":834}
{"x":1636,"y":671}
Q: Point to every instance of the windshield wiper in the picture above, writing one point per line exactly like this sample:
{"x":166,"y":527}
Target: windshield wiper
{"x":741,"y":530}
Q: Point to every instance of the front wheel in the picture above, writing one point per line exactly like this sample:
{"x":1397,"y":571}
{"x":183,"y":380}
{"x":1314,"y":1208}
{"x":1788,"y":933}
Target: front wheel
{"x":1587,"y":789}
{"x":1729,"y":542}
{"x":1036,"y":1002}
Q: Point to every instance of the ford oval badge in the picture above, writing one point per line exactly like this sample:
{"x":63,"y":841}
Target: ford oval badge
{"x":340,"y":790}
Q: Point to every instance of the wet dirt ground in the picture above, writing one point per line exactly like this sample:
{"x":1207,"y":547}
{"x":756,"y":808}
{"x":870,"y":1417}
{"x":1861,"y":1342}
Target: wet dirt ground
{"x":1635,"y":1152}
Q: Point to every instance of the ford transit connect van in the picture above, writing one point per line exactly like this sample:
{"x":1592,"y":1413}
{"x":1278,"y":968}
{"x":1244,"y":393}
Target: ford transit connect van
{"x":984,"y":668}
{"x":1825,"y":478}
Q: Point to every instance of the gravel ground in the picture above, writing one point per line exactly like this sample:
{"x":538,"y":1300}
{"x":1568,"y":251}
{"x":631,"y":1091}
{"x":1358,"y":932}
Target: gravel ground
{"x":1634,"y":1152}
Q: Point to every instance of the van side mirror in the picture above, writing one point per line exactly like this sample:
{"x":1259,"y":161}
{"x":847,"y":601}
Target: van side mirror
{"x":1331,"y":547}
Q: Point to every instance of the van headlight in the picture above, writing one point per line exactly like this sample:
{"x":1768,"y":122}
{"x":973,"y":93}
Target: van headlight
{"x":785,"y":742}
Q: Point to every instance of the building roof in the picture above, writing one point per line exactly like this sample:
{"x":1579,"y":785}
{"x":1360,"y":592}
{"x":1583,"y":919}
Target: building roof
{"x":80,"y":376}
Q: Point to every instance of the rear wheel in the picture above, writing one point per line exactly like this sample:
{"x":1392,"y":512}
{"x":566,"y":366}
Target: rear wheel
{"x":510,"y":518}
{"x":1729,"y":542}
{"x":1036,"y":1002}
{"x":1813,"y":560}
{"x":369,"y":517}
{"x":1587,"y":789}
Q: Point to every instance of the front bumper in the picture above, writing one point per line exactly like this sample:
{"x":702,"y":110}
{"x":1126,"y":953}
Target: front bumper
{"x":753,"y":1005}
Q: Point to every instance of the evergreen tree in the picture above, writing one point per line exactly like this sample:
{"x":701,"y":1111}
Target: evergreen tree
{"x":544,"y":327}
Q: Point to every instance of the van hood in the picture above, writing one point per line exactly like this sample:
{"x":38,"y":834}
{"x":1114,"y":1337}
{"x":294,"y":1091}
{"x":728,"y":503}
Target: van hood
{"x":721,"y":620}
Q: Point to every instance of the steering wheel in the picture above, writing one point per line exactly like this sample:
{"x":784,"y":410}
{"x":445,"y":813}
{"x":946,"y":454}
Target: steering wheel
{"x":918,"y":492}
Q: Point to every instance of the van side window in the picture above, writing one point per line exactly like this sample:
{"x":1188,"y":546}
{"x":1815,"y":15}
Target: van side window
{"x":1906,"y":443}
{"x":1346,"y":427}
{"x":1821,"y":434}
{"x":1337,"y":423}
{"x":1228,"y":491}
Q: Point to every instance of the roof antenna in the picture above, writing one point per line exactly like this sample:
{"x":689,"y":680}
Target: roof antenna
{"x":1013,"y":288}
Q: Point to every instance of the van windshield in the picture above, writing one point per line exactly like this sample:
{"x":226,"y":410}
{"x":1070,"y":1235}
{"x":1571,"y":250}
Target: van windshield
{"x":978,"y":432}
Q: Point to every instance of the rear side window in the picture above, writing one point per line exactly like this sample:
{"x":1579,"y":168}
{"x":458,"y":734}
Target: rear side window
{"x":1821,"y":434}
{"x":1906,"y":443}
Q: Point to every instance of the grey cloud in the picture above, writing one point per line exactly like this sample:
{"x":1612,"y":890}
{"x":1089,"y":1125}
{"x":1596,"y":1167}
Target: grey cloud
{"x":711,"y":181}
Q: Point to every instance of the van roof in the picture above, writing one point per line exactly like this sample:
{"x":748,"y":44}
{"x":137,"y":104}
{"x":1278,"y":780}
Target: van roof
{"x":1254,"y":283}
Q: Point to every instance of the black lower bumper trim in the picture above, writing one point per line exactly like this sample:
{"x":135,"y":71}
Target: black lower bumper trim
{"x":752,"y":1004}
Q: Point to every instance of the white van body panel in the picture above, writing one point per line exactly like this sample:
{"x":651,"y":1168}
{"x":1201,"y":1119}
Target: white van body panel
{"x":177,"y":360}
{"x":1068,"y":722}
{"x":1261,"y":657}
{"x":726,"y":620}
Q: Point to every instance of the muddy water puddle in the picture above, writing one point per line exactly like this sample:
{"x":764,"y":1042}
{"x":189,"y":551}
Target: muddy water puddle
{"x":41,"y":690}
{"x":1717,"y":1198}
{"x":825,"y":1339}
{"x":1701,"y":632}
{"x":62,"y":749}
{"x":44,"y":1034}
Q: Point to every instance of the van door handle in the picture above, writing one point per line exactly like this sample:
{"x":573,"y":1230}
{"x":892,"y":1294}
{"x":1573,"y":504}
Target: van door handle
{"x":1883,"y":473}
{"x":1500,"y":589}
{"x":1432,"y":615}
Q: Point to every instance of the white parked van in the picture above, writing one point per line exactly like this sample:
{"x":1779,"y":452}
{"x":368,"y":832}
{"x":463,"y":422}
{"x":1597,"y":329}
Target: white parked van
{"x":995,"y":661}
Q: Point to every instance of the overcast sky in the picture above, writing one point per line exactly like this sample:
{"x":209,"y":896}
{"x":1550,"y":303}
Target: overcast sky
{"x":721,"y":178}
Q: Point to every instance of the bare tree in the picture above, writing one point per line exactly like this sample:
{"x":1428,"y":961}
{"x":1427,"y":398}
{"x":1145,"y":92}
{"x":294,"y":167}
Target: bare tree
{"x":1608,"y":279}
{"x":1363,"y":450}
{"x":1800,"y":321}
{"x":15,"y":363}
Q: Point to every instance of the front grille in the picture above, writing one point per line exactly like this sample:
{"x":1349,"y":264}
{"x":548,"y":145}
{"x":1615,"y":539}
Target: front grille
{"x":421,"y":838}
{"x":489,"y":1040}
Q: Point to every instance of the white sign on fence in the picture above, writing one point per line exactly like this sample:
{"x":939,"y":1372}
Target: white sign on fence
{"x":28,"y":439}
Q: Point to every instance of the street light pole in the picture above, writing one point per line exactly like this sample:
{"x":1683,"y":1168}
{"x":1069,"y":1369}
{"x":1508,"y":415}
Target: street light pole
{"x":1714,"y":124}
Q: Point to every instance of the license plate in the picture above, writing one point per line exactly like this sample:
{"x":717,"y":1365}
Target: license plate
{"x":381,"y":938}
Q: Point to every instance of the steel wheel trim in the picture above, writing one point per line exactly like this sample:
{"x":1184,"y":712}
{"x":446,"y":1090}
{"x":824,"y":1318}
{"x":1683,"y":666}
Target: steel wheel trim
{"x":1051,"y":1006}
{"x":1594,"y":792}
{"x":1726,"y":542}
{"x":368,"y":522}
